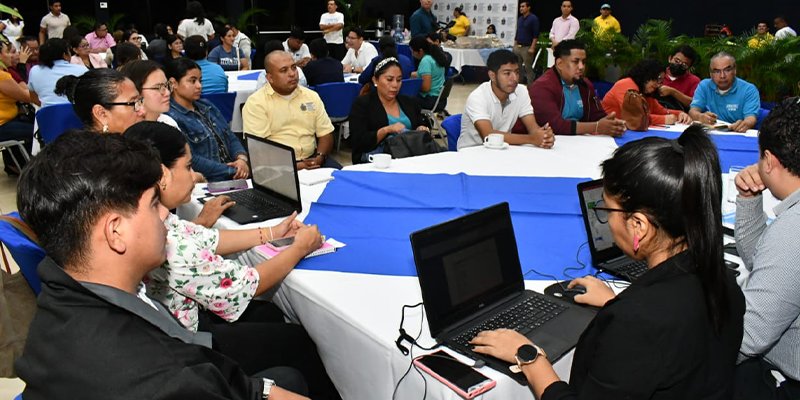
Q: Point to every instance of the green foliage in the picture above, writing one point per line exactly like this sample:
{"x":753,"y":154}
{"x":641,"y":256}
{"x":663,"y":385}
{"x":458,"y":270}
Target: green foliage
{"x":351,"y":9}
{"x":773,"y":68}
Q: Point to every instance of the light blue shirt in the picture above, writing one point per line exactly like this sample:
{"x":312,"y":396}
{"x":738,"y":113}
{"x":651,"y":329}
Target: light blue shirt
{"x":573,"y":105}
{"x":42,"y":80}
{"x":742,"y":100}
{"x":428,"y":66}
{"x":214,"y":78}
{"x":403,"y":119}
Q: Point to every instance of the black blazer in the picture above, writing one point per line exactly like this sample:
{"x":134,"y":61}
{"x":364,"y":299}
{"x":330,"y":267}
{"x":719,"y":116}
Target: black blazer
{"x":655,"y":341}
{"x":368,"y":115}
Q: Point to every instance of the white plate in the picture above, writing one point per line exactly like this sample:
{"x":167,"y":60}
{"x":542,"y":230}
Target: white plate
{"x":488,"y":146}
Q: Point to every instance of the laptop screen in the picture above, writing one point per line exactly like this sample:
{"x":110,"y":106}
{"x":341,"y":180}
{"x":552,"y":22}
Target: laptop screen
{"x":601,"y":242}
{"x":466,"y":264}
{"x":273,"y":167}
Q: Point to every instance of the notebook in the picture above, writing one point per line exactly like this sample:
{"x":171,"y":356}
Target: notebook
{"x":276,"y":187}
{"x":471,"y":280}
{"x":328,"y":246}
{"x":606,"y":256}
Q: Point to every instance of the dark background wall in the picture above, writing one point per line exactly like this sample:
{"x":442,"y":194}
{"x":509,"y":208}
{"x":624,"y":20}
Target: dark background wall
{"x":688,"y":16}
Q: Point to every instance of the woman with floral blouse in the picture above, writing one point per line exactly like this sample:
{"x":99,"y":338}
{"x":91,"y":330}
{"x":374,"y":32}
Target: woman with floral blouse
{"x":205,"y":291}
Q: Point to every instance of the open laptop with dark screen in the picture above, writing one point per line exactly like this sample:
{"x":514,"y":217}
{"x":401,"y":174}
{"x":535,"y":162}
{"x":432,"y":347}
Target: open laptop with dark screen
{"x":276,"y":188}
{"x":606,"y":256}
{"x":471,"y":280}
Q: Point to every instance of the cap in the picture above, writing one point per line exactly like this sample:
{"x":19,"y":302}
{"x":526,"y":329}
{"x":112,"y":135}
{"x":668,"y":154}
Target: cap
{"x":604,"y":6}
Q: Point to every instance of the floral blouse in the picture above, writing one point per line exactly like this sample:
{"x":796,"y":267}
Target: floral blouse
{"x":194,"y":276}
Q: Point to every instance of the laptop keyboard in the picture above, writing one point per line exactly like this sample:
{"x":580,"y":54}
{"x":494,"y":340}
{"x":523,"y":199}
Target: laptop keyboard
{"x":251,"y":200}
{"x":632,"y":270}
{"x":523,"y":317}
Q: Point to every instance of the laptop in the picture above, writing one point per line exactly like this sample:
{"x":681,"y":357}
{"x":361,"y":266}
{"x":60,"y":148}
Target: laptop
{"x":471,"y":280}
{"x":276,"y":188}
{"x":606,"y":256}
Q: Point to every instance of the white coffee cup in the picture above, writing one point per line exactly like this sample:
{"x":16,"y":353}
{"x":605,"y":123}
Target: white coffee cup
{"x":381,"y":161}
{"x":494,"y":140}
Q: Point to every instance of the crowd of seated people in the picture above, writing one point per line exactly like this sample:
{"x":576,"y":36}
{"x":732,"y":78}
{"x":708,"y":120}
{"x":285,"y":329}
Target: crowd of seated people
{"x":150,"y":136}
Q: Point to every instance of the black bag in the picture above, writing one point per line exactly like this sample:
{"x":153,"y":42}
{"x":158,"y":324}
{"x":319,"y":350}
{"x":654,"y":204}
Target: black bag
{"x":26,"y":112}
{"x":410,"y":144}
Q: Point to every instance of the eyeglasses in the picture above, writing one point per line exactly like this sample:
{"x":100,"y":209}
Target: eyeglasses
{"x":136,"y":104}
{"x":136,"y":38}
{"x":84,"y":46}
{"x":601,"y":212}
{"x":161,"y":87}
{"x":726,"y":71}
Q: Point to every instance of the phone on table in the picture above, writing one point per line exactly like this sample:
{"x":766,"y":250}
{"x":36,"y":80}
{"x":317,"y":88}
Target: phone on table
{"x":280,"y":244}
{"x":225,"y":186}
{"x":461,"y":378}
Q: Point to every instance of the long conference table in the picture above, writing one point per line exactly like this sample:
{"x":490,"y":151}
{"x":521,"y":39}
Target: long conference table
{"x":354,"y":314}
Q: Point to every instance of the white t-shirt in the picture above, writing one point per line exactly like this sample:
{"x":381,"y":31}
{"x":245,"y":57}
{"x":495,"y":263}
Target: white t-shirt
{"x":334,"y":37}
{"x":189,"y":27}
{"x":482,"y":104}
{"x":13,"y":32}
{"x":785,"y":32}
{"x":299,"y":54}
{"x":365,"y":54}
{"x":55,"y":24}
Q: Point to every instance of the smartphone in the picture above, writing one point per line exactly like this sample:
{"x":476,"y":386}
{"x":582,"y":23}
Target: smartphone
{"x":280,"y":244}
{"x":461,"y":378}
{"x":225,"y":186}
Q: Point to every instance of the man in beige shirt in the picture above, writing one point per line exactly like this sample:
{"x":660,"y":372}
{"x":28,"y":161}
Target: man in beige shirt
{"x":290,"y":114}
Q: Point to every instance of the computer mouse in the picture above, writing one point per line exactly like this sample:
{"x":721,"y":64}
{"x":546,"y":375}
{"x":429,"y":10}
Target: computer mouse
{"x":576,"y":290}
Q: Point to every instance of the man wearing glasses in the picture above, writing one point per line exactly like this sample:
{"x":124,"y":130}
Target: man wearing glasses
{"x":726,"y":97}
{"x":99,"y":39}
{"x":359,"y":53}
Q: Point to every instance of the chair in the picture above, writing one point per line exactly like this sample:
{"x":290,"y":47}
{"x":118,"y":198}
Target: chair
{"x":56,"y":119}
{"x":452,"y":126}
{"x":224,"y":102}
{"x":338,"y":98}
{"x":760,"y":118}
{"x":25,"y":251}
{"x":441,"y":102}
{"x":19,"y":144}
{"x":601,"y":88}
{"x":411,"y":87}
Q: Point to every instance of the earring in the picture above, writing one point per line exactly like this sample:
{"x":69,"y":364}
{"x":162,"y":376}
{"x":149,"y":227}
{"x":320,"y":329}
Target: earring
{"x":163,"y":186}
{"x":635,"y":243}
{"x":105,"y":128}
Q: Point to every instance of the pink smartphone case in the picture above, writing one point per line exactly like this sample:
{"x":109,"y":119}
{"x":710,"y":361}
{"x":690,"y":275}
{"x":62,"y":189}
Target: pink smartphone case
{"x":482,"y":389}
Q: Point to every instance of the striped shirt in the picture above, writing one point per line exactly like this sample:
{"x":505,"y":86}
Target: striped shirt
{"x":772,"y":255}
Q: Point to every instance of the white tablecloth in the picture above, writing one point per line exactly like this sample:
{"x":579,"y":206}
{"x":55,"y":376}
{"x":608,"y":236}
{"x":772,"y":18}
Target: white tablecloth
{"x":243,"y":88}
{"x":462,"y":57}
{"x":354,"y":318}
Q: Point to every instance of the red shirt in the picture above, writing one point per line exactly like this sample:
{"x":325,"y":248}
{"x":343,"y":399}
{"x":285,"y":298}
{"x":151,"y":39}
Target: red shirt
{"x":685,"y":83}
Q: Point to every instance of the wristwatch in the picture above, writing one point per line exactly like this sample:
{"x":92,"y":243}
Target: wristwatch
{"x":268,"y":384}
{"x":526,"y":354}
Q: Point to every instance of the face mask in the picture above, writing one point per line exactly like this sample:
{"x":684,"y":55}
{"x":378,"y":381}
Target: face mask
{"x":677,"y":69}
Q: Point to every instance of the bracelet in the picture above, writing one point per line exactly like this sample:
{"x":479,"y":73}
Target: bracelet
{"x":596,"y":126}
{"x":261,"y":235}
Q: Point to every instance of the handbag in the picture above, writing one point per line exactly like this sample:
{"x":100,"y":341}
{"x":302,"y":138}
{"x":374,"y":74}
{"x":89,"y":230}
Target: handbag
{"x":17,"y":306}
{"x":410,"y":144}
{"x":26,"y":112}
{"x":635,"y":111}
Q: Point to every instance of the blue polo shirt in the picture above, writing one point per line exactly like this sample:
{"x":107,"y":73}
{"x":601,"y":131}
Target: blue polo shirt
{"x":527,"y":30}
{"x":742,"y":100}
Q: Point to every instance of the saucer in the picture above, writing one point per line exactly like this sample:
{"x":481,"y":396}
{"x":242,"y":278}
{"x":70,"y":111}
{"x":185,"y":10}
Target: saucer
{"x":501,"y":147}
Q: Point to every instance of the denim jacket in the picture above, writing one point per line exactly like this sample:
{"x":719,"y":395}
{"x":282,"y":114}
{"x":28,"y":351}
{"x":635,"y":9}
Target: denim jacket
{"x":206,"y":158}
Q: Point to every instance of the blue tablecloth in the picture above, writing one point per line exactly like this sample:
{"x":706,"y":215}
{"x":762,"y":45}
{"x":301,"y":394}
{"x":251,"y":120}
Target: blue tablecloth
{"x":253,"y":76}
{"x":374,"y":214}
{"x":734,"y":150}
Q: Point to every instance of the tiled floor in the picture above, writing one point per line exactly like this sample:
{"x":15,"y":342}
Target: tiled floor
{"x":8,"y":202}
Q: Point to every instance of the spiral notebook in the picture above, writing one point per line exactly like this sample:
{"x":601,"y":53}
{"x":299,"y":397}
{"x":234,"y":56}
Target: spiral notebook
{"x":328,"y":246}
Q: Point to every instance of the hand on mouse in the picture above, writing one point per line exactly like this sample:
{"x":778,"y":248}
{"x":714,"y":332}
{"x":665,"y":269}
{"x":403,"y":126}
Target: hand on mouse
{"x":597,"y":293}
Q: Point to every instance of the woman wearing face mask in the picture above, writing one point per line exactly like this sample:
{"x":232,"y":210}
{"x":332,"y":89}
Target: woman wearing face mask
{"x":645,"y":78}
{"x":217,"y":295}
{"x":675,"y":332}
{"x":679,"y":81}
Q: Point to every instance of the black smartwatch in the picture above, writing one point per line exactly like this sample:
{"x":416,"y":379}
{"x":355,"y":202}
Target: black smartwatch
{"x":526,"y":354}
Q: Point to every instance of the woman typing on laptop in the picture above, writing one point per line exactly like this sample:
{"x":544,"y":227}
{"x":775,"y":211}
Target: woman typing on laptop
{"x":207,"y":292}
{"x":675,"y":332}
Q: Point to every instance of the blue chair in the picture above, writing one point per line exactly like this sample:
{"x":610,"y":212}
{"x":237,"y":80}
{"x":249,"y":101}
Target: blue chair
{"x":338,"y":98}
{"x":19,"y":397}
{"x":601,"y":88}
{"x":224,"y":102}
{"x":25,"y":251}
{"x":452,"y":125}
{"x":411,"y":87}
{"x":762,"y":113}
{"x":56,"y":119}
